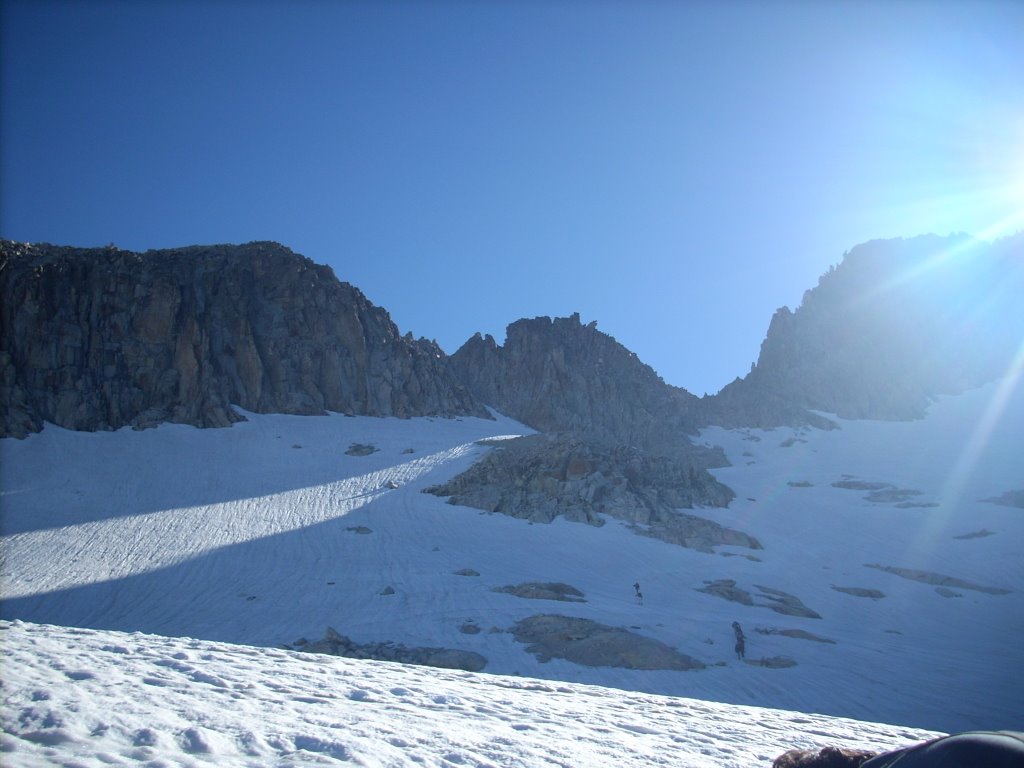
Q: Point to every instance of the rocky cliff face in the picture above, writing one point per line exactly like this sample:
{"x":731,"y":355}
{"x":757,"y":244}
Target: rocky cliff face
{"x":894,"y":325}
{"x":562,"y":376}
{"x":102,"y":338}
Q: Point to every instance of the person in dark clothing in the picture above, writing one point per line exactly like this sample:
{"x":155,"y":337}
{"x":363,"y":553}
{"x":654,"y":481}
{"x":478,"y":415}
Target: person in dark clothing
{"x":974,"y":749}
{"x":992,"y":749}
{"x":741,"y":640}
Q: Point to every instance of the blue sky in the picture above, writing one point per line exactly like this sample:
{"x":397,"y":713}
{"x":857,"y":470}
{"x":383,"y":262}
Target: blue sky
{"x":674,"y":171}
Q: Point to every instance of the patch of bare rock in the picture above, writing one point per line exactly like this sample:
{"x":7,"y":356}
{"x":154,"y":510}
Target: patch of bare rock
{"x":592,"y":644}
{"x":776,"y":599}
{"x":542,"y":477}
{"x":875,"y":594}
{"x":884,"y":493}
{"x":1008,"y":499}
{"x":976,"y":534}
{"x":772,"y":662}
{"x":536,"y":590}
{"x":799,"y":634}
{"x":336,"y":644}
{"x":938,"y":579}
{"x":361,"y":449}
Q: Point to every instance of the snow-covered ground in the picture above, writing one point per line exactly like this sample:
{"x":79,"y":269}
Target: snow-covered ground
{"x":95,"y":698}
{"x":268,"y":532}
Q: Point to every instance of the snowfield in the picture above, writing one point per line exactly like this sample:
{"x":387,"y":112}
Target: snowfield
{"x":91,"y":698}
{"x":904,"y":538}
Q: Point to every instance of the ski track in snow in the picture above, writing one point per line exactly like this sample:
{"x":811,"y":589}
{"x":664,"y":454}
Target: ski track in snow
{"x":91,"y":698}
{"x":267,"y":532}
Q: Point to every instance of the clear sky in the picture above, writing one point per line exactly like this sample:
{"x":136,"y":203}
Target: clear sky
{"x":675,"y":171}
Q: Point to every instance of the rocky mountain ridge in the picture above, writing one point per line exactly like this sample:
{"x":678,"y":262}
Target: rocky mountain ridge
{"x":894,"y":325}
{"x":101,"y":338}
{"x":559,"y":375}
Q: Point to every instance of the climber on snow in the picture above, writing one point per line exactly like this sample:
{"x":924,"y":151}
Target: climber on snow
{"x":741,"y":640}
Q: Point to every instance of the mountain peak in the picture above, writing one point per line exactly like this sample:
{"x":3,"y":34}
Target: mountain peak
{"x":558,"y":374}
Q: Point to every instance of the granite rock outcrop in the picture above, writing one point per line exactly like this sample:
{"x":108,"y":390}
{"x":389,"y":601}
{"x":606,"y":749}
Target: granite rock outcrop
{"x":542,"y":477}
{"x":101,"y":338}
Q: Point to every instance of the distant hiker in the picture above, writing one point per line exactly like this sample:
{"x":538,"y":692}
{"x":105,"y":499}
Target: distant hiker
{"x":639,"y":594}
{"x":741,"y":640}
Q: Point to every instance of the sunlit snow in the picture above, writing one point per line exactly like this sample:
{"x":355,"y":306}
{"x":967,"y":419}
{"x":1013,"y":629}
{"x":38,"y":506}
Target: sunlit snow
{"x":87,"y":698}
{"x":268,"y":532}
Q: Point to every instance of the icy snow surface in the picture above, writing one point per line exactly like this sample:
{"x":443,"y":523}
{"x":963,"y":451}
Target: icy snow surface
{"x":267,"y":532}
{"x":91,"y":698}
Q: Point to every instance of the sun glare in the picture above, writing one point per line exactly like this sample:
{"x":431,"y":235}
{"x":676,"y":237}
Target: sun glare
{"x":990,"y":418}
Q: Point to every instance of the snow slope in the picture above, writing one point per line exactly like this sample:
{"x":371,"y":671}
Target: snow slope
{"x":268,"y":532}
{"x":87,"y":698}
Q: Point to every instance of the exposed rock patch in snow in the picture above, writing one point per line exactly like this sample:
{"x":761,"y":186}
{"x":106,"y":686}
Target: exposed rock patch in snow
{"x":727,"y":590}
{"x":799,"y":634}
{"x":336,"y":644}
{"x":360,"y":449}
{"x":938,"y":579}
{"x":785,"y":603}
{"x":976,"y":534}
{"x":860,"y":485}
{"x":884,"y":493}
{"x":536,"y":590}
{"x":777,"y":600}
{"x":875,"y":594}
{"x":1008,"y":499}
{"x":587,"y":642}
{"x":543,"y":477}
{"x":772,"y":662}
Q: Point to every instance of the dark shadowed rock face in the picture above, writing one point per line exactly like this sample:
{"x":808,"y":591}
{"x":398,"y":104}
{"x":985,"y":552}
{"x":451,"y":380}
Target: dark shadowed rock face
{"x":894,"y":325}
{"x":103,"y":338}
{"x":562,"y":376}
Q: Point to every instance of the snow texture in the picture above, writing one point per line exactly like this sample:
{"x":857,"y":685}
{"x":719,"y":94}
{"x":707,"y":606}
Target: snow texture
{"x":92,"y":698}
{"x":267,"y":532}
